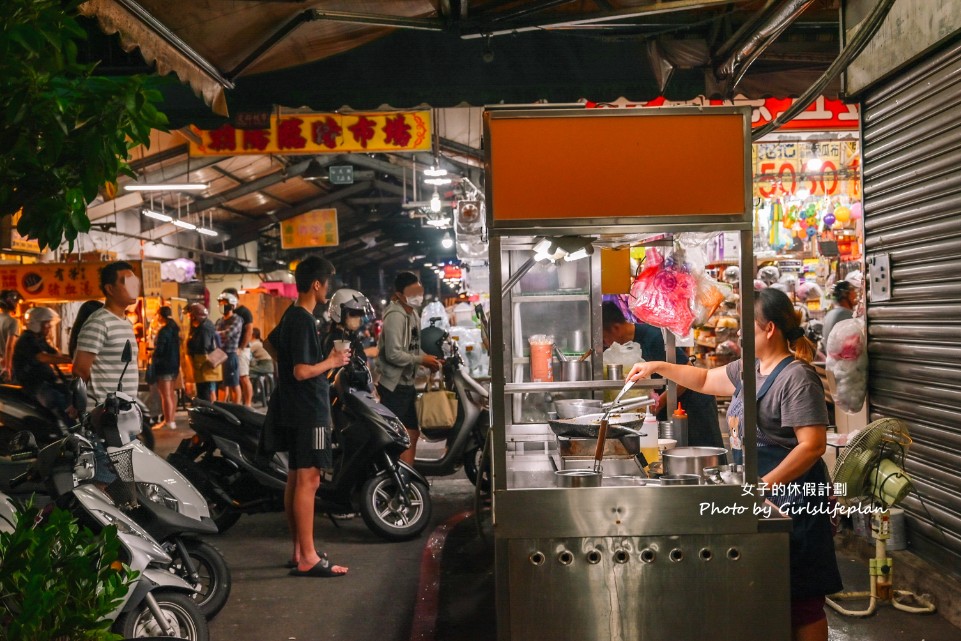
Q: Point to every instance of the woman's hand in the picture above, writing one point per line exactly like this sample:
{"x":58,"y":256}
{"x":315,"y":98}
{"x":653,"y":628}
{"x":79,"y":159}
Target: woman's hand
{"x":643,"y":370}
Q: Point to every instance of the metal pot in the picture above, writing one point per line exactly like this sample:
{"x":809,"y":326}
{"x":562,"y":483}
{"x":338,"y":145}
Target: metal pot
{"x":578,"y":478}
{"x":692,"y":460}
{"x":576,"y":371}
{"x":680,"y":479}
{"x":574,"y":407}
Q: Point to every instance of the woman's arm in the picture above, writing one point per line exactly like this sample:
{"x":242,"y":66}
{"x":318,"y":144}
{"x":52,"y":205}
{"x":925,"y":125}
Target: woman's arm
{"x":707,"y":381}
{"x":812,"y":441}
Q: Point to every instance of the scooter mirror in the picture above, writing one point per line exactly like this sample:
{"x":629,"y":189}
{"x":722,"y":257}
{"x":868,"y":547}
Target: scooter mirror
{"x":23,"y":444}
{"x":78,"y":394}
{"x":127,"y":355}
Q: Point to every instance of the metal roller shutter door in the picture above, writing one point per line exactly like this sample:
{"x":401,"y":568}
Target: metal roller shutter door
{"x":912,"y":204}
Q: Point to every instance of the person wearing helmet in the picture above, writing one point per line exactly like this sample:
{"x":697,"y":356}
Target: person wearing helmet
{"x":34,"y":359}
{"x":202,"y":340}
{"x":9,"y":330}
{"x":347,"y":310}
{"x":243,"y":346}
{"x":230,"y":329}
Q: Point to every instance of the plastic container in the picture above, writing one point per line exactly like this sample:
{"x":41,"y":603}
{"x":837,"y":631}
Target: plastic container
{"x":542,"y":348}
{"x":679,"y":423}
{"x":649,"y":444}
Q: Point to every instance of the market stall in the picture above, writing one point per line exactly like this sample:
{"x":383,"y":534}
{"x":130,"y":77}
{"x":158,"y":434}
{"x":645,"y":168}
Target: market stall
{"x":623,"y":559}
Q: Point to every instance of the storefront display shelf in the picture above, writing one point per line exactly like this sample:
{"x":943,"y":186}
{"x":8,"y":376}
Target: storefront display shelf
{"x":551,"y":297}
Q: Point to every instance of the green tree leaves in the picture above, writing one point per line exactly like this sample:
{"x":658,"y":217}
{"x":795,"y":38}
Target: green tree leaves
{"x":57,"y":580}
{"x":64,"y":131}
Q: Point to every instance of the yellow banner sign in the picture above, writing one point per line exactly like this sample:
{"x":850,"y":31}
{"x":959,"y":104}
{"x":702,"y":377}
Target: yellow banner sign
{"x":317,"y":228}
{"x":827,"y":168}
{"x":60,"y":282}
{"x":11,"y":239}
{"x":392,"y":131}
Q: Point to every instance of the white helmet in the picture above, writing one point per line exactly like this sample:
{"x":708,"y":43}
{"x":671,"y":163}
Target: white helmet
{"x":37,"y":316}
{"x":228,"y":297}
{"x":345,"y":300}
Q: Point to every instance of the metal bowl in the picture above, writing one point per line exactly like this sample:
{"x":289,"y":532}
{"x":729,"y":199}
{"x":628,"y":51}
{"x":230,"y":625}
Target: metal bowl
{"x":575,"y":407}
{"x":578,"y":478}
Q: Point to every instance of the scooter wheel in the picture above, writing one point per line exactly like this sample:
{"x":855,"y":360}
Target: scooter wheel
{"x":213,"y":588}
{"x":384,"y":511}
{"x":477,"y":468}
{"x":180,"y":611}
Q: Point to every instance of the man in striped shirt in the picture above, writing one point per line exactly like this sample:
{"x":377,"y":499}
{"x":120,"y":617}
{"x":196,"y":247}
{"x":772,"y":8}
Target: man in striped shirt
{"x":104,"y":335}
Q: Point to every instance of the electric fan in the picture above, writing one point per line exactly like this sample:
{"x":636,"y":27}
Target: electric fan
{"x":869,"y":472}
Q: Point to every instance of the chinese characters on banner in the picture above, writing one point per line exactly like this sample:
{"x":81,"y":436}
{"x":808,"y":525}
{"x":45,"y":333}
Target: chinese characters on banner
{"x":59,"y":282}
{"x":317,"y":228}
{"x":783,"y":168}
{"x":320,"y":133}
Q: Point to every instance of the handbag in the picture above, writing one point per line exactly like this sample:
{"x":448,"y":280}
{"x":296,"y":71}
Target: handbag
{"x":151,"y":374}
{"x":216,"y":357}
{"x":273,"y":435}
{"x":436,"y":409}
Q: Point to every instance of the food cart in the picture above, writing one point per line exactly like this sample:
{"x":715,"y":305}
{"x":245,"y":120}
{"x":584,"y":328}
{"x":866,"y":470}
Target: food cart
{"x":633,"y":561}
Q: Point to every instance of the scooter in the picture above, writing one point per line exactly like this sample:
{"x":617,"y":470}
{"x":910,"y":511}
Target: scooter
{"x":158,"y":602}
{"x":164,"y":503}
{"x":465,"y":440}
{"x":224,"y":460}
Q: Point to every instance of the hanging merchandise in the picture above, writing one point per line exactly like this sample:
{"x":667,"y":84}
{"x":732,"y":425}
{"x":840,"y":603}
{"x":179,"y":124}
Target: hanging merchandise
{"x":663,"y":294}
{"x":774,"y":233}
{"x":847,"y":361}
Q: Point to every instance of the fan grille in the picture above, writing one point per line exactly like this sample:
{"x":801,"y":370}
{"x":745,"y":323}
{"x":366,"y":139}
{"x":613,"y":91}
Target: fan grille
{"x":881,"y":439}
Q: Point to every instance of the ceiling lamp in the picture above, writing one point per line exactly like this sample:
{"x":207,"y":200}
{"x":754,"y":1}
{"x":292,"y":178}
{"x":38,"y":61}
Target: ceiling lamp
{"x":437,"y":181}
{"x":165,"y":186}
{"x":156,"y":215}
{"x":815,"y":162}
{"x":447,"y":242}
{"x":314,"y":171}
{"x":435,"y":172}
{"x":183,"y":224}
{"x":435,"y":203}
{"x":206,"y":232}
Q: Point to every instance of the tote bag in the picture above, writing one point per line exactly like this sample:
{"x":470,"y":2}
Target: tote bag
{"x":436,"y":409}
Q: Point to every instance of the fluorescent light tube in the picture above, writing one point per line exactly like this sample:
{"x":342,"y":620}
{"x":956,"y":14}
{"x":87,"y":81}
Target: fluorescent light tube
{"x":165,"y":186}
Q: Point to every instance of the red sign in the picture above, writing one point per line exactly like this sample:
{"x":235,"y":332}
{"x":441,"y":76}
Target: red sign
{"x":824,"y":114}
{"x":452,"y":271}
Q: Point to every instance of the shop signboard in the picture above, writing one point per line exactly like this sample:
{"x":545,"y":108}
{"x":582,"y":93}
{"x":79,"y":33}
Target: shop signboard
{"x":824,"y":114}
{"x":10,"y":238}
{"x":61,"y":282}
{"x":320,"y":133}
{"x":317,"y":228}
{"x":785,"y":169}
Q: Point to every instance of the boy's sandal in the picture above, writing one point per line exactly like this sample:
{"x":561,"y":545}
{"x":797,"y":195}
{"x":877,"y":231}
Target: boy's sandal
{"x":323,"y":568}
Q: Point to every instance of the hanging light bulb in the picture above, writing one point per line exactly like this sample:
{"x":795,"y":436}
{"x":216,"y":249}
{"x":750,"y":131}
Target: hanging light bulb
{"x":435,"y":172}
{"x":814,"y":163}
{"x":435,"y":202}
{"x":447,"y":242}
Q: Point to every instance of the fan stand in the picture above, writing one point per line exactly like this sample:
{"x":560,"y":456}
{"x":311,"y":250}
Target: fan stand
{"x":882,"y":579}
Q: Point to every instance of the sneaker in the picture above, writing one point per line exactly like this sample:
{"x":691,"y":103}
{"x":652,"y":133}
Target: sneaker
{"x":158,"y":426}
{"x":171,"y":425}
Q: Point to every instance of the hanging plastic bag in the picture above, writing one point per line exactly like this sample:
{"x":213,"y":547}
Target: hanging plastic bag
{"x":663,"y":294}
{"x":624,"y":355}
{"x":847,"y":362}
{"x":432,"y":310}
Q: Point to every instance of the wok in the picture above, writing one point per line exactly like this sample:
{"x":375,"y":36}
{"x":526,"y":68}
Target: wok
{"x":586,"y":426}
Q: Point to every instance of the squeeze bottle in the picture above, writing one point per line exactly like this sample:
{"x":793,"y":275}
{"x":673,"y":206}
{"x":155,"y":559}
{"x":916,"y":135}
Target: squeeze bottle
{"x":649,"y":442}
{"x":679,"y":421}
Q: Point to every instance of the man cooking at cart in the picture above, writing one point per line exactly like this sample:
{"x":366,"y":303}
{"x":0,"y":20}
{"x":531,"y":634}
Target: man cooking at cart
{"x":703,"y":429}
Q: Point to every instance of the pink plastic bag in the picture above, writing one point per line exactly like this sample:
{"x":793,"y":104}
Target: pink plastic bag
{"x":663,"y":295}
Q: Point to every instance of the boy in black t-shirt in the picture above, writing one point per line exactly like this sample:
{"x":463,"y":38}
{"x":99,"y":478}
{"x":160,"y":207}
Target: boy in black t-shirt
{"x":303,"y":411}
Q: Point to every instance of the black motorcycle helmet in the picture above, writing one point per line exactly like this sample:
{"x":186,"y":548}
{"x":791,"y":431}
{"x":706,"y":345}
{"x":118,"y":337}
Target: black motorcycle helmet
{"x":432,"y":339}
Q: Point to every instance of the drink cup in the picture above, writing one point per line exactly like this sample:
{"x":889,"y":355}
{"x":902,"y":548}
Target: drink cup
{"x":542,"y":348}
{"x":341,"y":346}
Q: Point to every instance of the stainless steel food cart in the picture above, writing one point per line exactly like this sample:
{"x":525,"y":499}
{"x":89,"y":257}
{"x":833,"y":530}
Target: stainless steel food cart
{"x":639,"y":562}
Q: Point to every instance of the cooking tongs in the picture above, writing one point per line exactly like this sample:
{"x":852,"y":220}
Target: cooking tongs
{"x":602,"y":429}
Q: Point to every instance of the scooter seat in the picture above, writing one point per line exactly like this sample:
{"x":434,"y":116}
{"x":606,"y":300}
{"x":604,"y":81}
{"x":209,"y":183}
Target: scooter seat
{"x":247,"y":416}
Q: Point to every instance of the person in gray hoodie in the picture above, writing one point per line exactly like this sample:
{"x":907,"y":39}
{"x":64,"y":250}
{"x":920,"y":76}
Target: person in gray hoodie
{"x":399,"y":355}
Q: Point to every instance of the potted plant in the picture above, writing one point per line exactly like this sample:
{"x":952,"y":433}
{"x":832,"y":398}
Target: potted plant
{"x":58,"y":580}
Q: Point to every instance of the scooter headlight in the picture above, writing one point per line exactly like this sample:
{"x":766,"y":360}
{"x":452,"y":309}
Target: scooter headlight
{"x":123,"y":526}
{"x":159,"y":495}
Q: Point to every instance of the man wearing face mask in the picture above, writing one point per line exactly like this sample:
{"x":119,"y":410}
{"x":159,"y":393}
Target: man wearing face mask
{"x":103,"y":337}
{"x":399,"y":355}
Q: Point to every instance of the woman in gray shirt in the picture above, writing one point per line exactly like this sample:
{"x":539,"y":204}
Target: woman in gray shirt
{"x":792,"y":436}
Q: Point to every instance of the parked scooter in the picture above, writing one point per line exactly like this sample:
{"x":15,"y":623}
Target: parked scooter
{"x":165,"y":504}
{"x":224,"y":461}
{"x":158,"y":602}
{"x":465,"y":440}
